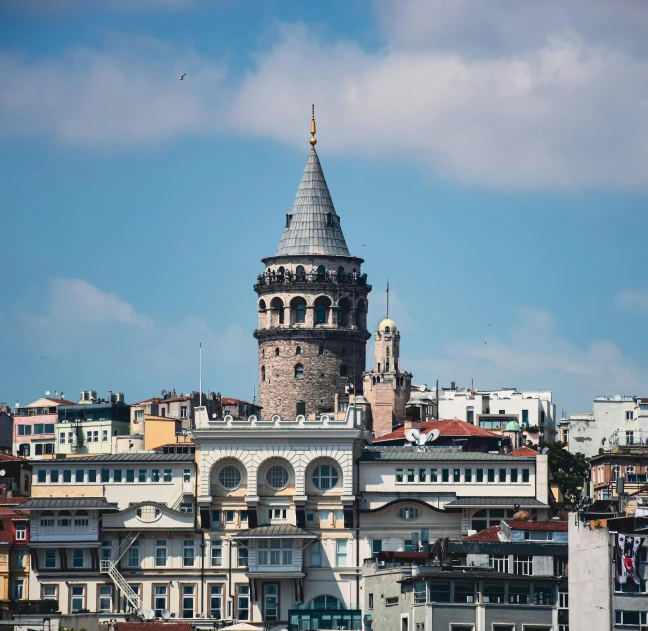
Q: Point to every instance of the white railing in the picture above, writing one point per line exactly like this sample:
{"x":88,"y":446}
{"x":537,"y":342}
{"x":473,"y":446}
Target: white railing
{"x":128,"y":592}
{"x":176,"y":500}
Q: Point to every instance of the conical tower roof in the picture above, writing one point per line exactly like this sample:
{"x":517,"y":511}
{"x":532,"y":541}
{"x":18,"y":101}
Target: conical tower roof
{"x":313,"y":225}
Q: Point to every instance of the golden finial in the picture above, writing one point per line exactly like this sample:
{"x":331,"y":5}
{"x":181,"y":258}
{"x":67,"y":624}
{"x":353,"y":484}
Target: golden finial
{"x":313,"y":140}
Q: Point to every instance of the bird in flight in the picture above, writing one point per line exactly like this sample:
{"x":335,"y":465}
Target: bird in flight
{"x":181,"y":78}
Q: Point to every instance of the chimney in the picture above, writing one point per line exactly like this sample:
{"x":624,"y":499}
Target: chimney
{"x":453,"y":385}
{"x":412,"y":418}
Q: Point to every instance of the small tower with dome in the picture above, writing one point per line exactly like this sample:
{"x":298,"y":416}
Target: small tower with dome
{"x":387,"y":387}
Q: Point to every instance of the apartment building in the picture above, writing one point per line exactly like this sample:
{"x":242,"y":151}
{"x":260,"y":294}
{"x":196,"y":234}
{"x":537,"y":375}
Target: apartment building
{"x":34,"y":426}
{"x":181,"y":408}
{"x":14,"y":550}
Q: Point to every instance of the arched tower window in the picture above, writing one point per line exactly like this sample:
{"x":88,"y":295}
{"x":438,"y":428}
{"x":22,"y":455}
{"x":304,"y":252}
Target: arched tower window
{"x":298,"y":310}
{"x":344,"y":371}
{"x":281,"y":271}
{"x":340,"y":273}
{"x":387,"y":359}
{"x":321,"y":272}
{"x":343,"y":309}
{"x":320,"y":351}
{"x":277,"y":352}
{"x":298,"y":350}
{"x":277,"y":311}
{"x":300,"y":272}
{"x":299,"y":371}
{"x":387,"y":329}
{"x":301,"y":313}
{"x":262,"y":373}
{"x":320,"y":314}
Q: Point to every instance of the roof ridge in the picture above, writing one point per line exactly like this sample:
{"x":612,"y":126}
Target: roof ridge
{"x":312,"y":225}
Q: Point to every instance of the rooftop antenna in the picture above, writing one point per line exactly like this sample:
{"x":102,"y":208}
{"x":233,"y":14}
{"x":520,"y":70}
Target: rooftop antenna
{"x":254,"y":396}
{"x":313,"y":140}
{"x":200,"y":374}
{"x":388,"y":296}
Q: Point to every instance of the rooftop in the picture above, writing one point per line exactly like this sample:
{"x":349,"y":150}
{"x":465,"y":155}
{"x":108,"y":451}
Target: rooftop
{"x":43,"y":503}
{"x":153,"y":626}
{"x":490,"y":534}
{"x":279,"y":530}
{"x":414,"y":453}
{"x":462,"y":502}
{"x":541,"y":526}
{"x":449,"y":427}
{"x":141,"y":456}
{"x":525,"y":452}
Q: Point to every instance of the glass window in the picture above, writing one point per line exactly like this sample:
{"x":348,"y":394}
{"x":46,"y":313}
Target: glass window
{"x":216,"y":601}
{"x":188,"y":600}
{"x":92,"y":476}
{"x":79,"y":476}
{"x":464,"y":592}
{"x":105,"y":598}
{"x":117,"y":475}
{"x":77,"y":598}
{"x":67,"y":475}
{"x":77,"y":557}
{"x":50,"y":558}
{"x":243,"y":602}
{"x":525,"y":475}
{"x":544,"y":594}
{"x":300,"y":316}
{"x":216,"y":553}
{"x":229,"y":516}
{"x":456,"y":475}
{"x":160,"y":553}
{"x":186,"y":475}
{"x":64,"y":519}
{"x":155,"y":475}
{"x":408,"y":513}
{"x":494,"y":593}
{"x":325,"y":477}
{"x":422,"y":475}
{"x":21,"y":532}
{"x":230,"y":477}
{"x":104,"y":435}
{"x":242,"y":553}
{"x":420,"y":592}
{"x":134,"y":555}
{"x":519,"y":593}
{"x":47,"y":519}
{"x":439,"y":592}
{"x":277,"y":477}
{"x":54,"y":476}
{"x":105,"y":475}
{"x":514,"y":476}
{"x":188,"y":553}
{"x":467,"y":475}
{"x":141,"y":475}
{"x":320,"y":314}
{"x":341,"y":552}
{"x":130,"y":475}
{"x":49,"y":592}
{"x":299,"y":371}
{"x":433,"y":475}
{"x":42,"y":476}
{"x":502,"y":475}
{"x":168,"y":475}
{"x":523,"y":565}
{"x":445,"y":475}
{"x":410,"y":475}
{"x":316,"y":554}
{"x":160,"y":599}
{"x":491,"y":475}
{"x":215,"y":517}
{"x":399,"y":475}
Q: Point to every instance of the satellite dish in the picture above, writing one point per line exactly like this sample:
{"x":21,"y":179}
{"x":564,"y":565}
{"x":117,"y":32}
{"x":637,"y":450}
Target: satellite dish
{"x":47,"y":393}
{"x":214,"y":415}
{"x":149,"y":614}
{"x":433,"y":435}
{"x":3,"y":473}
{"x":412,"y":435}
{"x":139,"y":611}
{"x":166,"y":614}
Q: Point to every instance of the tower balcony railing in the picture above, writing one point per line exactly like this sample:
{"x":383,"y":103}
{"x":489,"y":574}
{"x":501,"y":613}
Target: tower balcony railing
{"x":292,"y":278}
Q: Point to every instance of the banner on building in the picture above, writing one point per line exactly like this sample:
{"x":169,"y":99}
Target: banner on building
{"x":627,"y":558}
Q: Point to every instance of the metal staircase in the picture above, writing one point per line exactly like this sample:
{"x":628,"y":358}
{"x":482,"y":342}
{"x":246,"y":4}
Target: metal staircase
{"x":176,"y":500}
{"x":110,"y":567}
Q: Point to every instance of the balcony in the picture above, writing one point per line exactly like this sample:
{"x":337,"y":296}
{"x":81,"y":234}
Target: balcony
{"x":289,"y":278}
{"x":628,"y":441}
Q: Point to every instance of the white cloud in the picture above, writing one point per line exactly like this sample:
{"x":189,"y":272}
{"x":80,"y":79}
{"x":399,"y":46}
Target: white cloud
{"x":535,"y":356}
{"x":92,"y":335}
{"x":535,"y":97}
{"x":632,"y":299}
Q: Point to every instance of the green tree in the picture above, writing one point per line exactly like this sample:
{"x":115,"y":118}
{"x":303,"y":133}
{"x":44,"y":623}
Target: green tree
{"x":569,"y":470}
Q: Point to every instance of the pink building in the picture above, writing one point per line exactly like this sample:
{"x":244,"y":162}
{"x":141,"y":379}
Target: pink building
{"x":34,"y":428}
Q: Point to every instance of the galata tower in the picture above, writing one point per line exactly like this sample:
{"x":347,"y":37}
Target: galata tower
{"x":312,"y":303}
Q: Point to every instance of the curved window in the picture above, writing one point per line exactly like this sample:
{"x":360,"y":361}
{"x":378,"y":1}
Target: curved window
{"x":340,"y":273}
{"x":320,"y":350}
{"x":65,"y":519}
{"x":262,"y":373}
{"x":344,"y":372}
{"x":325,"y":477}
{"x":230,"y":477}
{"x":300,"y":272}
{"x":300,"y":314}
{"x":47,"y":519}
{"x":281,"y":270}
{"x":277,"y":477}
{"x":320,"y":314}
{"x":299,"y":371}
{"x":298,"y":350}
{"x":262,"y":305}
{"x":81,"y":518}
{"x":409,"y":513}
{"x":325,"y":602}
{"x":321,"y":272}
{"x":387,"y":329}
{"x":277,"y":352}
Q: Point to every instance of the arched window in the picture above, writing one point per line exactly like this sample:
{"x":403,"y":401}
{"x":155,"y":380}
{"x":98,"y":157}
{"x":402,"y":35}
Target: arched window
{"x":281,"y":270}
{"x":387,"y":329}
{"x":344,"y":371}
{"x":387,"y":359}
{"x":277,"y":314}
{"x":64,"y":519}
{"x":47,"y":519}
{"x":277,"y":477}
{"x":340,"y":273}
{"x":320,"y":351}
{"x":277,"y":352}
{"x":325,"y":477}
{"x":325,"y":602}
{"x":262,"y":305}
{"x":298,"y":350}
{"x":320,"y":314}
{"x":299,"y":371}
{"x":81,"y":518}
{"x":341,"y":319}
{"x":300,"y":314}
{"x":229,"y":477}
{"x":409,"y":513}
{"x":321,"y":272}
{"x":262,"y":373}
{"x":300,"y":272}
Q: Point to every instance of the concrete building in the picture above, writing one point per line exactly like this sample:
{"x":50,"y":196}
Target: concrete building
{"x":15,"y":476}
{"x":312,"y":304}
{"x":6,"y":430}
{"x":89,"y":428}
{"x":239,"y":409}
{"x":278,"y":503}
{"x":14,"y":550}
{"x":387,"y":387}
{"x":510,"y":577}
{"x":34,"y":428}
{"x":620,"y":418}
{"x":533,"y":410}
{"x":180,"y":408}
{"x":601,"y":597}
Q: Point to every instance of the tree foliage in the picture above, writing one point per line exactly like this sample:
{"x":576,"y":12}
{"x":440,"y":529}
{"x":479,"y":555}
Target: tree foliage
{"x":569,"y":470}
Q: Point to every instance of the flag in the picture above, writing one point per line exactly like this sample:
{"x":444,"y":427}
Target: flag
{"x":627,"y":550}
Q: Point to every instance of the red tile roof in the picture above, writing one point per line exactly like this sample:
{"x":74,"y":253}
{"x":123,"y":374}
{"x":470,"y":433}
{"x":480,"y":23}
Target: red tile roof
{"x":545,"y":526}
{"x":524,"y":452}
{"x":229,"y":401}
{"x":153,"y":626}
{"x":59,"y":401}
{"x":8,"y":458}
{"x":451,"y":427}
{"x":490,"y":534}
{"x":153,"y":400}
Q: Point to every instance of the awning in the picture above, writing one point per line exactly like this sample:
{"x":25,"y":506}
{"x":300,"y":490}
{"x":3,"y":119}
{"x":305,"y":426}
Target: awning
{"x":284,"y":531}
{"x":49,"y":503}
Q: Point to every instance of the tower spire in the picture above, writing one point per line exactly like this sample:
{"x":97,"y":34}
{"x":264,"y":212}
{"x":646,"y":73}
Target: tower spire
{"x":313,"y":140}
{"x":387,"y":296}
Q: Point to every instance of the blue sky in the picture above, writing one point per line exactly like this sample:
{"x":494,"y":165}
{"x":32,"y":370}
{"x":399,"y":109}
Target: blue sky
{"x":491,"y":161}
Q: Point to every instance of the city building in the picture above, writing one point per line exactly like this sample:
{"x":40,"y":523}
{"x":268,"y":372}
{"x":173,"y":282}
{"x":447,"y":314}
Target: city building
{"x":608,"y":569}
{"x":6,"y":430}
{"x":34,"y":427}
{"x":387,"y":387}
{"x":112,"y":534}
{"x":510,"y":577}
{"x":533,"y":410}
{"x":312,"y":304}
{"x":14,"y":550}
{"x":620,"y":419}
{"x":15,"y":476}
{"x":239,"y":409}
{"x":180,"y":408}
{"x":89,"y":427}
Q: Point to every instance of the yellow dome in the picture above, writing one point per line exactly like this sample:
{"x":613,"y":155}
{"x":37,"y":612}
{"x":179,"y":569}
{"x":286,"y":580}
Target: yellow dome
{"x":387,"y":326}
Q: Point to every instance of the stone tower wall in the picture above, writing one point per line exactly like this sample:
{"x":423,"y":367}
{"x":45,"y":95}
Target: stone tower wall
{"x":280,"y":391}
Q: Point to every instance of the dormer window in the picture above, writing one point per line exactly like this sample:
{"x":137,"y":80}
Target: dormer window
{"x":329,"y":219}
{"x":288,"y":219}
